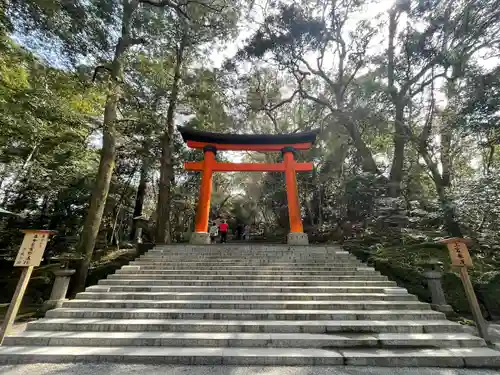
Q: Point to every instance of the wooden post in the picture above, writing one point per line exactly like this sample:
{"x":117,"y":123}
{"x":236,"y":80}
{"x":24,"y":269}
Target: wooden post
{"x":15,"y":303}
{"x":203,"y":209}
{"x":29,"y":256}
{"x":460,"y":258}
{"x":292,"y":192}
{"x":482,"y":325}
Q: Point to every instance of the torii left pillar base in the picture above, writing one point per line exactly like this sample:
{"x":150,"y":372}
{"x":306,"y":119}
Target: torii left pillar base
{"x":199,"y":238}
{"x":297,"y":239}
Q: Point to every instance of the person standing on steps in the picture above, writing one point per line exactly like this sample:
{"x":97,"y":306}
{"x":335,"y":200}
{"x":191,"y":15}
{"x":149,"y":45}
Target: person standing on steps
{"x":246,"y":232}
{"x":223,"y":226}
{"x":214,"y":231}
{"x":239,"y":231}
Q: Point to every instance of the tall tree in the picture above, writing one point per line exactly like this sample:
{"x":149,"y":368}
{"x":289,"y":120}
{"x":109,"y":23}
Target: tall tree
{"x":325,"y":53}
{"x":203,"y":27}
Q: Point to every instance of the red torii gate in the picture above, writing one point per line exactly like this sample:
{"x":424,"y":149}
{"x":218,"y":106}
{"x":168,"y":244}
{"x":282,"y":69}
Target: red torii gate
{"x":210,"y":143}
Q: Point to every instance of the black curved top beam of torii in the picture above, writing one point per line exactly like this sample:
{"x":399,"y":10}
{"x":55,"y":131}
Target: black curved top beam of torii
{"x":247,"y":142}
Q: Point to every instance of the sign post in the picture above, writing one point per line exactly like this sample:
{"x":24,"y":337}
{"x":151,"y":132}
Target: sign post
{"x":460,"y":258}
{"x":29,"y":256}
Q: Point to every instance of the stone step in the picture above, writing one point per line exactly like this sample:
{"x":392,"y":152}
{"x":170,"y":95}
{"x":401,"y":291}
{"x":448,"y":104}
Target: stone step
{"x":242,"y":253}
{"x":270,"y":326}
{"x":246,"y":296}
{"x":449,"y":357}
{"x":137,"y":270}
{"x":261,"y":278}
{"x":261,"y":283}
{"x":241,"y":314}
{"x":250,"y":259}
{"x":228,"y":256}
{"x":244,"y":340}
{"x":241,"y":268}
{"x":258,"y":304}
{"x":246,"y":263}
{"x":102,"y":287}
{"x":247,"y":249}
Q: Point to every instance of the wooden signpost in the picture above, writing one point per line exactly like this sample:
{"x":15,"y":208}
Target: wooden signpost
{"x":29,"y":256}
{"x":460,"y":258}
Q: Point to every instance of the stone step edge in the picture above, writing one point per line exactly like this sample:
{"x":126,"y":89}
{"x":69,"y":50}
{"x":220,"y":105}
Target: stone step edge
{"x":207,"y":325}
{"x":251,"y":335}
{"x":276,"y":276}
{"x":156,"y":267}
{"x":332,"y":323}
{"x":247,"y":302}
{"x":106,"y":291}
{"x":254,"y":281}
{"x":243,"y":289}
{"x":452,"y":357}
{"x":248,"y":311}
{"x":136,"y":270}
{"x":245,"y":339}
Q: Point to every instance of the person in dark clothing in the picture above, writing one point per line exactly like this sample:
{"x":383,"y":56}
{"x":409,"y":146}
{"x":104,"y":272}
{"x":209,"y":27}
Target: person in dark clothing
{"x":239,"y":231}
{"x":223,"y":231}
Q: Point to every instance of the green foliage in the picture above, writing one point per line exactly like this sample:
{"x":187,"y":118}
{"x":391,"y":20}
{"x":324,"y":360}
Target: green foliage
{"x":481,"y":105}
{"x":46,"y":164}
{"x":291,"y":28}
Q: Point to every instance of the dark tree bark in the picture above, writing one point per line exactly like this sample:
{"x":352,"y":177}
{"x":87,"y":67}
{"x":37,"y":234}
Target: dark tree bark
{"x":399,"y":140}
{"x":442,"y":184}
{"x":108,"y":154}
{"x":163,"y":230}
{"x":141,"y":193}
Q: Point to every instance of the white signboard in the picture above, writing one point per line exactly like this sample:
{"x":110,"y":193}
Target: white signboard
{"x":32,"y":248}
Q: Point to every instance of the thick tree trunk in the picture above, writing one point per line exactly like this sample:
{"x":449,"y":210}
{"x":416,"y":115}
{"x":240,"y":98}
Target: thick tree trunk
{"x":447,"y":205}
{"x":362,"y":149}
{"x":444,"y":183}
{"x":100,"y":193}
{"x":399,"y":139}
{"x":108,"y":153}
{"x":163,"y":230}
{"x":449,"y":215}
{"x":106,"y":167}
{"x":141,"y":194}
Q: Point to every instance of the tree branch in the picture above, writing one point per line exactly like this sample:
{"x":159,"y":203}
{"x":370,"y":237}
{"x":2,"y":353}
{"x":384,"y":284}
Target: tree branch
{"x":167,"y":3}
{"x":98,"y":69}
{"x":178,"y":6}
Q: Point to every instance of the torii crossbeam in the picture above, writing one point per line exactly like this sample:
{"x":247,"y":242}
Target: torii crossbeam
{"x":210,"y":143}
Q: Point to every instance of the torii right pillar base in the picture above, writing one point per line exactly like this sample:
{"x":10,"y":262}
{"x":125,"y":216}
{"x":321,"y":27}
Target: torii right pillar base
{"x":297,"y":239}
{"x":199,"y":238}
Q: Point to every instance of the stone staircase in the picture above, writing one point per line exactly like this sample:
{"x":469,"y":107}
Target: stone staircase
{"x":248,"y":305}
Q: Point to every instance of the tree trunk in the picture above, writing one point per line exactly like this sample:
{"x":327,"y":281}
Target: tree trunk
{"x":399,"y":139}
{"x":100,"y":193}
{"x":448,"y":207}
{"x":363,"y":151}
{"x":163,"y":230}
{"x":106,"y":166}
{"x":141,"y":194}
{"x":163,"y":207}
{"x":108,"y":153}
